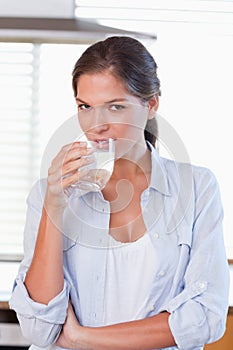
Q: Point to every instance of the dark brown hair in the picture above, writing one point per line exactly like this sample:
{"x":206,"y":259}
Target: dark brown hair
{"x":128,"y":60}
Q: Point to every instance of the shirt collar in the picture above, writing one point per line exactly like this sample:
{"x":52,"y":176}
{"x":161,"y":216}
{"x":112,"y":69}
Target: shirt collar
{"x":159,"y":177}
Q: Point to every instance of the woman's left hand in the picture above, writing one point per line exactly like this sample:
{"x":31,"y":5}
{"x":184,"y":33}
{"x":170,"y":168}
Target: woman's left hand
{"x":69,"y":337}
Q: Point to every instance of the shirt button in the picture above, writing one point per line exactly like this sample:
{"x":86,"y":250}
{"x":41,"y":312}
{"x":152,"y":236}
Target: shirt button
{"x":94,"y":314}
{"x":161,"y":273}
{"x":201,"y":285}
{"x":151,"y":308}
{"x":156,"y":235}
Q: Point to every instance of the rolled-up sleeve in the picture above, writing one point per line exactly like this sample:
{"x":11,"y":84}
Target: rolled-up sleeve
{"x":198,"y":313}
{"x":41,"y":324}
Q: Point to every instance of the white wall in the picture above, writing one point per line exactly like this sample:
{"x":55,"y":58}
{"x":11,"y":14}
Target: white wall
{"x":196,"y":72}
{"x":35,"y":8}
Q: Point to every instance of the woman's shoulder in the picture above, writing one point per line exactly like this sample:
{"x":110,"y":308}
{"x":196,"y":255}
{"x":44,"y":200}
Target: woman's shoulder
{"x":173,"y":166}
{"x":187,"y":173}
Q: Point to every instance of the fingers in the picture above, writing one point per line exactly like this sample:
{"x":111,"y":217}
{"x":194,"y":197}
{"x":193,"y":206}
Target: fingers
{"x":74,"y":152}
{"x":64,"y":167}
{"x":73,"y":165}
{"x":68,"y":153}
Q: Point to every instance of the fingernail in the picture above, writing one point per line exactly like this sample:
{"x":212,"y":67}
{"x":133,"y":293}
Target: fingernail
{"x":82,"y":143}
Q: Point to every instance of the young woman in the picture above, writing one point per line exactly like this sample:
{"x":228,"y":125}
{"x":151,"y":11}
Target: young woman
{"x":140,"y":264}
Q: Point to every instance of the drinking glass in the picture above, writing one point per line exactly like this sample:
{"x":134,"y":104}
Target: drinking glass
{"x":94,"y":176}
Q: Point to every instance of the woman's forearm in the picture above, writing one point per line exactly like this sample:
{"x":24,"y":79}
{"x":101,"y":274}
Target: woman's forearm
{"x":44,"y":279}
{"x":150,"y":333}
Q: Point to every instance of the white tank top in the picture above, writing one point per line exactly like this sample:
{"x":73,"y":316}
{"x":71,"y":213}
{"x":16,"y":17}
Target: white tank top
{"x":130,"y":273}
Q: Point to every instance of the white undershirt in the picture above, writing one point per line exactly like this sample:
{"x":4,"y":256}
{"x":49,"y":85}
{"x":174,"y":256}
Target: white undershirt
{"x":130,"y":273}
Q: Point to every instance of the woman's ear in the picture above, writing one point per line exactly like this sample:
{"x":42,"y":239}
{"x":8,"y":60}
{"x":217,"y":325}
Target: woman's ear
{"x":153,"y":106}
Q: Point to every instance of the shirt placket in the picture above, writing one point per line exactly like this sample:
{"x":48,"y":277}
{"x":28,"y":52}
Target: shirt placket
{"x":99,"y":273}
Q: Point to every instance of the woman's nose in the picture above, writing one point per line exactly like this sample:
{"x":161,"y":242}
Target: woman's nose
{"x":99,"y":128}
{"x":99,"y":121}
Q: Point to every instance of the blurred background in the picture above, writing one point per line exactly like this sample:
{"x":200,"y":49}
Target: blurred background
{"x":40,"y":41}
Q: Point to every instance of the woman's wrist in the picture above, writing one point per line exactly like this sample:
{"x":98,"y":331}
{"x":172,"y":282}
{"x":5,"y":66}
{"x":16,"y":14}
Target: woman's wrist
{"x":56,"y":202}
{"x":77,"y":337}
{"x":83,"y":337}
{"x":54,"y":207}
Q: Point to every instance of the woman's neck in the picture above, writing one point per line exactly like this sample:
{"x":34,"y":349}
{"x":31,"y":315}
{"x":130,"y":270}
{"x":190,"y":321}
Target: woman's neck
{"x":137,"y":161}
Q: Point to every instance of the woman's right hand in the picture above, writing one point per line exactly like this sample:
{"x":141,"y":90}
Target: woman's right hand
{"x":63,"y":173}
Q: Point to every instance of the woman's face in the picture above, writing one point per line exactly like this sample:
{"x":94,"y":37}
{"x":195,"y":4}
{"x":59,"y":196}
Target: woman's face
{"x":107,"y":110}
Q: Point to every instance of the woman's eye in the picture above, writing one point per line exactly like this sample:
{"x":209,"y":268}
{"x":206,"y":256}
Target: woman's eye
{"x":83,"y":107}
{"x":116,"y":107}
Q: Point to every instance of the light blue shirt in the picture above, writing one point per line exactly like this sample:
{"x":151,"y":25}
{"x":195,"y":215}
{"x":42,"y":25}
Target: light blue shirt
{"x":183,"y":215}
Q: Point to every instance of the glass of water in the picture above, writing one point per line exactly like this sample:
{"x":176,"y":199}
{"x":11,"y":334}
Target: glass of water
{"x":94,"y":176}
